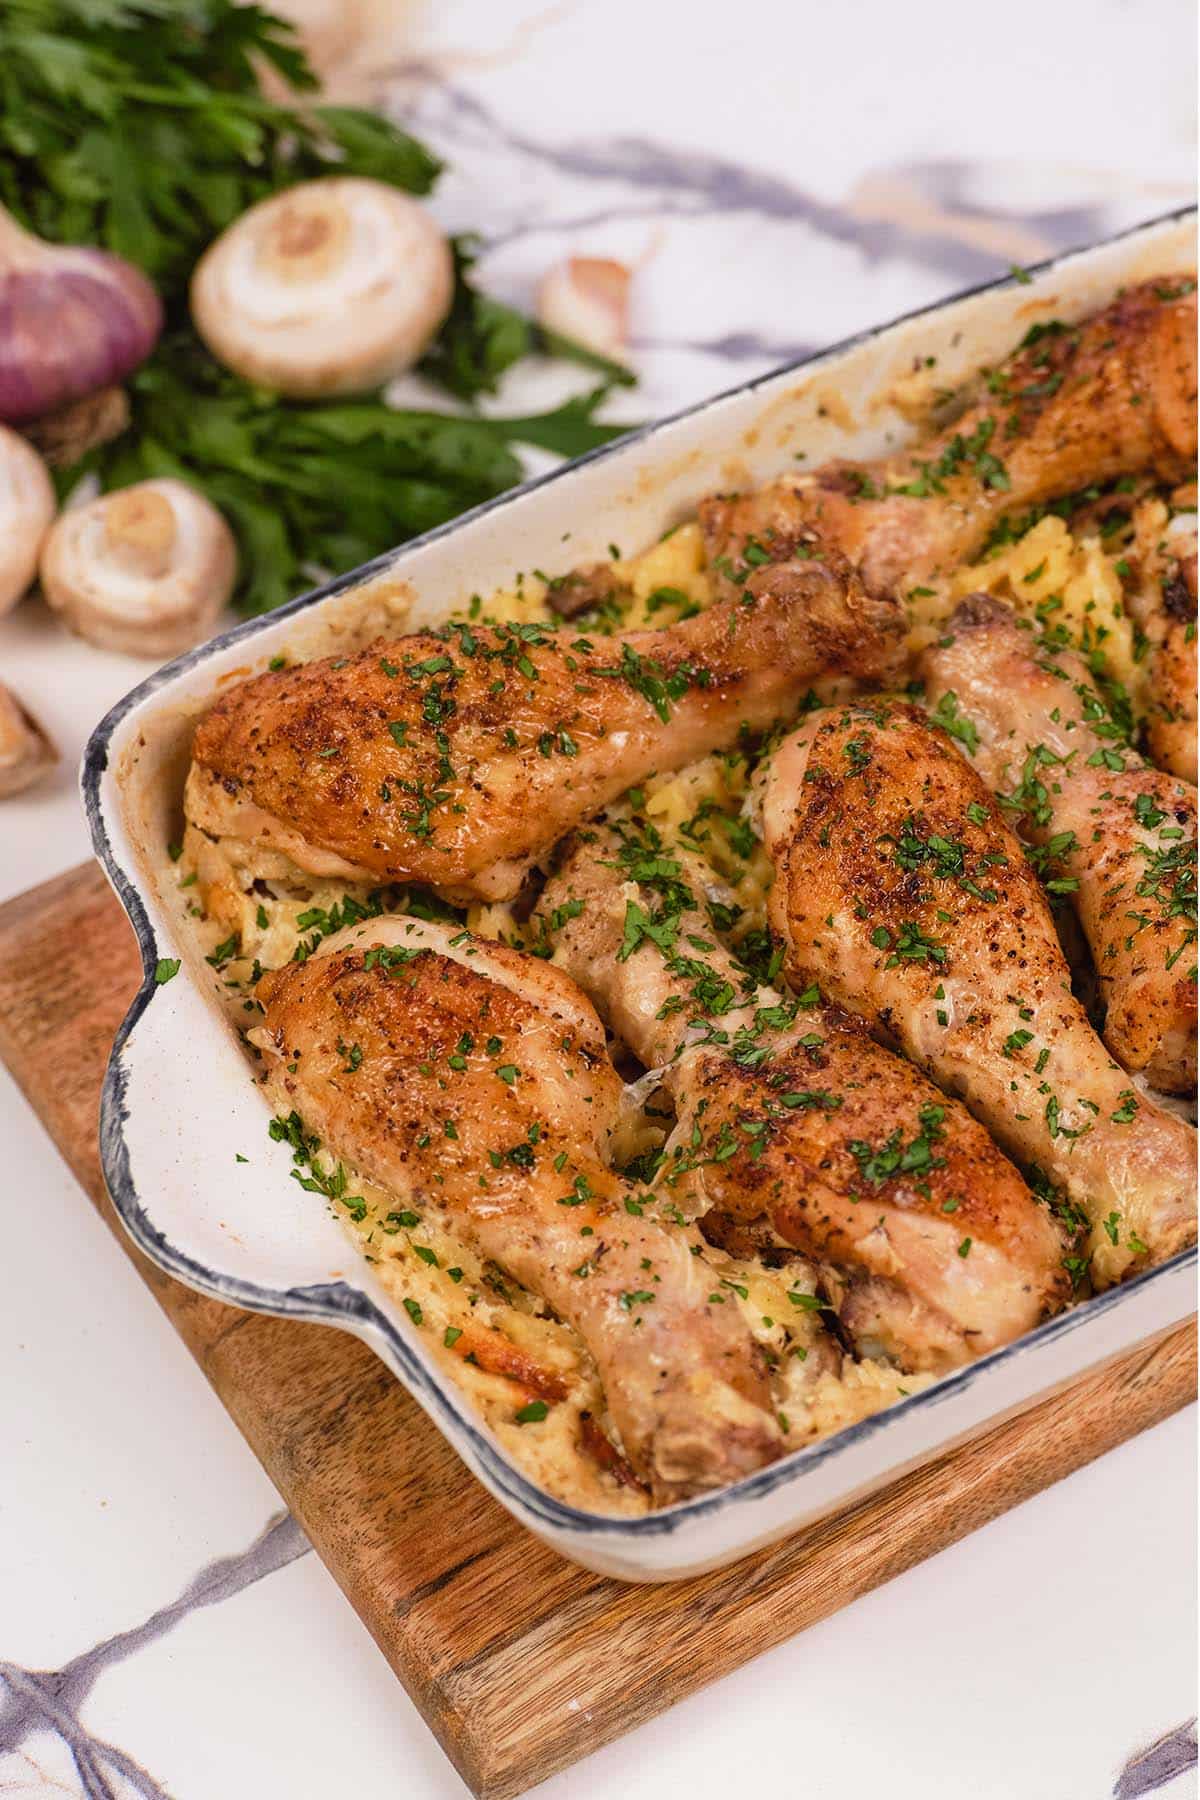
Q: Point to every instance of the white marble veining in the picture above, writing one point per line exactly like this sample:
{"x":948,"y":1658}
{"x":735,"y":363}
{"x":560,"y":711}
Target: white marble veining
{"x":781,"y":176}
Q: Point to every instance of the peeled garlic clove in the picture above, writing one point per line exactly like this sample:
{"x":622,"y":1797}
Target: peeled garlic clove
{"x":25,"y":751}
{"x":71,"y":320}
{"x":27,"y":506}
{"x":146,"y":570}
{"x":586,"y":298}
{"x":332,"y":287}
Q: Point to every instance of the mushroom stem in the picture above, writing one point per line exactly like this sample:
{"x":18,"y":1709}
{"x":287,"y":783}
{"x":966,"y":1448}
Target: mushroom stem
{"x":306,"y":239}
{"x":139,"y":531}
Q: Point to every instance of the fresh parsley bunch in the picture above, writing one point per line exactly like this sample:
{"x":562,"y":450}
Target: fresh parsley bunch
{"x":141,"y":125}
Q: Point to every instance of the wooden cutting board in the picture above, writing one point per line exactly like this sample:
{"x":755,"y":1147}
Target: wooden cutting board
{"x":520,"y":1662}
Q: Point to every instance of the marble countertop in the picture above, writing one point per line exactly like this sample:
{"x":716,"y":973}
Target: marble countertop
{"x":779,"y":177}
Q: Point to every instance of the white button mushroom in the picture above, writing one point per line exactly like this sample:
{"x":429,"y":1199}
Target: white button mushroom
{"x":26,"y":509}
{"x":146,"y":570}
{"x":25,"y":751}
{"x":332,"y":287}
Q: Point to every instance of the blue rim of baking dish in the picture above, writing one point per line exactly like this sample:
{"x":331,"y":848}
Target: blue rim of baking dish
{"x":339,"y":1303}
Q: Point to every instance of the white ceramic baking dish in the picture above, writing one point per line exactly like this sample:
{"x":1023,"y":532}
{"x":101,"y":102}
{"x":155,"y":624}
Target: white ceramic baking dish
{"x":178,"y":1102}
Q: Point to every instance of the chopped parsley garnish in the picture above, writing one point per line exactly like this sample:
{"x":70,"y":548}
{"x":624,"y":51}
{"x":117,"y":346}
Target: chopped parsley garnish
{"x":638,"y":1297}
{"x":946,"y":714}
{"x":656,"y":683}
{"x":878,"y":1164}
{"x":304,"y":1146}
{"x":391,"y":957}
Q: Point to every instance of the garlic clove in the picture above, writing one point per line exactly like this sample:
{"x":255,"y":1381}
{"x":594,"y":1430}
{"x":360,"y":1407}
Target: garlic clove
{"x":329,"y":30}
{"x":586,"y":298}
{"x":27,"y":506}
{"x":26,"y":753}
{"x":332,"y":287}
{"x":72,"y":320}
{"x":146,"y":570}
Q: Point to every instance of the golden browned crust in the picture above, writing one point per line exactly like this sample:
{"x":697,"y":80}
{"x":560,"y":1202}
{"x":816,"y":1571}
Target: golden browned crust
{"x":903,"y":892}
{"x":794,"y":1116}
{"x":479,"y":1084}
{"x":1162,"y":602}
{"x":1117,"y":836}
{"x":459,"y":758}
{"x":1076,"y":405}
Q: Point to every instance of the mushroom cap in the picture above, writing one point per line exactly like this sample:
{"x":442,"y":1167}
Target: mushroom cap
{"x":146,"y":570}
{"x":27,"y":505}
{"x":332,"y":287}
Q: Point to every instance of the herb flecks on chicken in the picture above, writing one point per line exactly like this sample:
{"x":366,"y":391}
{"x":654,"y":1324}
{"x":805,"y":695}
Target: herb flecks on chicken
{"x":1160,"y":574}
{"x":792,"y":1120}
{"x":1111,"y":834}
{"x":904,"y":893}
{"x":483,"y":1088}
{"x":1075,"y":405}
{"x":459,"y":758}
{"x":828,"y":1108}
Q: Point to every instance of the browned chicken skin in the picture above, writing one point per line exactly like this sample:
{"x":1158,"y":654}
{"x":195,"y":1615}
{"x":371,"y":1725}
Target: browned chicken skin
{"x":480,"y":1088}
{"x":459,"y":758}
{"x":792,"y":1115}
{"x":1075,"y":405}
{"x":1123,"y":833}
{"x":1162,"y":603}
{"x":483,"y":1088}
{"x":903,"y":892}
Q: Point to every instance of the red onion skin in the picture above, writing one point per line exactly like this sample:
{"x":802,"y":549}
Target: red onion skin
{"x":66,"y":331}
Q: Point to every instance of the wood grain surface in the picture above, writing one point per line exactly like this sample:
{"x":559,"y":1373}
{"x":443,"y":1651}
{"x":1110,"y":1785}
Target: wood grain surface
{"x":520,"y":1662}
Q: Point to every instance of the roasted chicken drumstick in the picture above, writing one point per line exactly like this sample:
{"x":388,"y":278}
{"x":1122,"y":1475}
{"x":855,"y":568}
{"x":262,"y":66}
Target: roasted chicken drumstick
{"x":459,"y":758}
{"x":1074,"y":406}
{"x":901,"y":890}
{"x":482,"y":1087}
{"x":1119,"y":835}
{"x":1162,"y":603}
{"x":790,"y":1118}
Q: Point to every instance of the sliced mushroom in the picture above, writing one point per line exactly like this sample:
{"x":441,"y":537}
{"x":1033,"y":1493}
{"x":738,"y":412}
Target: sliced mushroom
{"x":146,"y":570}
{"x":332,"y":287}
{"x":26,"y":509}
{"x":25,"y":751}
